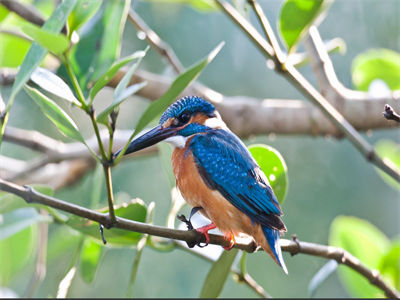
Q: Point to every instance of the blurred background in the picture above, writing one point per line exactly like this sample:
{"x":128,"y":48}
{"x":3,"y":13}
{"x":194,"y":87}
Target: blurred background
{"x":327,"y":177}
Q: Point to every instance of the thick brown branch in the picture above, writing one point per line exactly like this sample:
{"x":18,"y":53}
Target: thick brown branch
{"x":294,"y":247}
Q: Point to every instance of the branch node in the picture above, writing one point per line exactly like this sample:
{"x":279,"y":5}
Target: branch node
{"x":375,"y":278}
{"x":28,"y":197}
{"x":296,"y":240}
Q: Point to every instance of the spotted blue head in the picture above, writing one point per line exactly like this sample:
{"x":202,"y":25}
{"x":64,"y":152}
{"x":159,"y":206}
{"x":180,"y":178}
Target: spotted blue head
{"x":184,"y":118}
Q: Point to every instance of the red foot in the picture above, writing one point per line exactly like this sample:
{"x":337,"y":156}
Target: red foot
{"x":204,"y":230}
{"x":232,"y":242}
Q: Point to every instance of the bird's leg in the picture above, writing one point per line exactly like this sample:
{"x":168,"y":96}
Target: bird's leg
{"x":232,"y":241}
{"x":204,"y":230}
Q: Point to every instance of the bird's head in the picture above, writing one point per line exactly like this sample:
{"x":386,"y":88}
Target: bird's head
{"x":186,"y":117}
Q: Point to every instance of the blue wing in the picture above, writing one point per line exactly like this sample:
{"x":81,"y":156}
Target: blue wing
{"x":226,"y":165}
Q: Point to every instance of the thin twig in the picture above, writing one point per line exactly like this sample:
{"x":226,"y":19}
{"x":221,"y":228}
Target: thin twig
{"x":294,"y":247}
{"x":304,"y":86}
{"x":156,"y":42}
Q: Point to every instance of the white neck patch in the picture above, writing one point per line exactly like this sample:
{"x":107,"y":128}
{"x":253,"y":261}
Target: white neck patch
{"x":215,"y":122}
{"x":177,"y":141}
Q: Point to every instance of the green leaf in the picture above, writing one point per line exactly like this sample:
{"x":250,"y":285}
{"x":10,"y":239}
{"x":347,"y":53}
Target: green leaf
{"x":54,"y":42}
{"x":36,"y":52}
{"x":390,"y":152}
{"x":56,"y":115}
{"x":274,"y":167}
{"x":218,"y":274}
{"x":3,"y":12}
{"x":18,"y":220}
{"x":176,"y":88}
{"x":12,"y":49}
{"x":82,"y":12}
{"x":389,"y":265}
{"x":89,"y":260}
{"x":376,"y":64}
{"x":365,"y":242}
{"x":321,"y":276}
{"x":134,"y":210}
{"x":19,"y":251}
{"x":127,"y":77}
{"x":102,"y":117}
{"x":297,"y":16}
{"x":53,"y":84}
{"x":99,"y":44}
{"x":110,"y":73}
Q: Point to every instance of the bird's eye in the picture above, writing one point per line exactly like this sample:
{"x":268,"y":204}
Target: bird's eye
{"x":183,"y":118}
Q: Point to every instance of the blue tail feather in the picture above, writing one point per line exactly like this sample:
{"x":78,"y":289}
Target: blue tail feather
{"x":272,"y":237}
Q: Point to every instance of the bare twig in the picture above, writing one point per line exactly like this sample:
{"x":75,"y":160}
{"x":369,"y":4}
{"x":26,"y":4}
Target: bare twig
{"x":340,"y":255}
{"x":155,"y":41}
{"x":303,"y":85}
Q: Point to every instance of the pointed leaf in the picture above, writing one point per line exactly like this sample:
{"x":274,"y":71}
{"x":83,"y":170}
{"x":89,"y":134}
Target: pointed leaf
{"x":176,"y":88}
{"x":297,"y":16}
{"x":90,"y":257}
{"x":127,"y":77}
{"x":364,"y":241}
{"x":216,"y":277}
{"x":82,"y":12}
{"x":36,"y":52}
{"x":274,"y":167}
{"x":374,"y":64}
{"x":102,"y":117}
{"x":52,"y":111}
{"x":110,"y":73}
{"x":133,"y":210}
{"x":53,"y":84}
{"x":54,"y":42}
{"x":321,"y":276}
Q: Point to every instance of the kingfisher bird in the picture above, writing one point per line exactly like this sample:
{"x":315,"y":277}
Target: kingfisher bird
{"x":217,"y":175}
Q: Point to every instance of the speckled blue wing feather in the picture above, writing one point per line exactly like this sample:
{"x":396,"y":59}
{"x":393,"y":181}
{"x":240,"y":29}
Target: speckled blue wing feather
{"x":226,"y":165}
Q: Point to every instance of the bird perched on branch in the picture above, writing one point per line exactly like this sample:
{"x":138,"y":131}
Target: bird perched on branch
{"x":217,"y":175}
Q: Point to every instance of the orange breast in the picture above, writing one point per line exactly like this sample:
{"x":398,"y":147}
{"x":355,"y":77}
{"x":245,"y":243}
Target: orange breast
{"x":193,"y":189}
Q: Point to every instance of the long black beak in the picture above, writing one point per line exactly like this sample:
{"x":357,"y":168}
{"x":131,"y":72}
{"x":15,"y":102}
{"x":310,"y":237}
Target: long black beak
{"x":155,"y":135}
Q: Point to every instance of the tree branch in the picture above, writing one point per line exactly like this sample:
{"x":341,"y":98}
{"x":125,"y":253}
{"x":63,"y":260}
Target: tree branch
{"x":294,"y":247}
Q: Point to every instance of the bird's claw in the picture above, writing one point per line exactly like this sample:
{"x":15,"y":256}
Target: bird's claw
{"x":189,"y":224}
